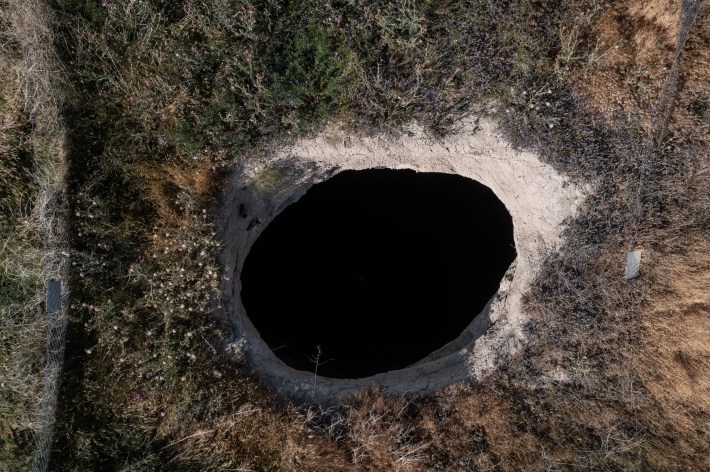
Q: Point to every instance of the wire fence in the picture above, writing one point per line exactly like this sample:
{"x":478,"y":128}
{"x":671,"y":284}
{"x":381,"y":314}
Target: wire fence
{"x":55,"y":241}
{"x":33,"y":29}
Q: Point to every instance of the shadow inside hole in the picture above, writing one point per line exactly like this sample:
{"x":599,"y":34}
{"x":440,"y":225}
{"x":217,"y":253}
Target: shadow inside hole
{"x":373,"y":270}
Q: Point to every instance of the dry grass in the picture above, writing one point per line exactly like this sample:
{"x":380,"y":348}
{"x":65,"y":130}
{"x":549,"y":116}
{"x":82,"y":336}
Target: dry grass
{"x":676,"y":370}
{"x":22,"y":331}
{"x":33,"y":243}
{"x":180,"y":91}
{"x":21,"y":324}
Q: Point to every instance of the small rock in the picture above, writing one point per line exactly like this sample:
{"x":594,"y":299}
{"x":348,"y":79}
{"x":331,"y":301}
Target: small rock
{"x":633,"y":261}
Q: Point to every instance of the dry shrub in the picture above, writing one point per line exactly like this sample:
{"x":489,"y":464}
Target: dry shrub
{"x":379,"y":434}
{"x":461,"y":428}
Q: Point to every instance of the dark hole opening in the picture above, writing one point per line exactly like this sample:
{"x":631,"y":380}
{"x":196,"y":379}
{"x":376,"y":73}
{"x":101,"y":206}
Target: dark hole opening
{"x":378,"y":268}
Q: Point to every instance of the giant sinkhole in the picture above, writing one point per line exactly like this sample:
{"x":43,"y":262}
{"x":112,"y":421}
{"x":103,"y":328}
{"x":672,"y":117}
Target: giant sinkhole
{"x":373,"y":270}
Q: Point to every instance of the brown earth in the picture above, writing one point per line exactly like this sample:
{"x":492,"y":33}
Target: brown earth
{"x":636,"y":41}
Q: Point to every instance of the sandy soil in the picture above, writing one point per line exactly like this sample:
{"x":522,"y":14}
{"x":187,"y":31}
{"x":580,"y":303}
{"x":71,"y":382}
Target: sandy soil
{"x":538,"y":199}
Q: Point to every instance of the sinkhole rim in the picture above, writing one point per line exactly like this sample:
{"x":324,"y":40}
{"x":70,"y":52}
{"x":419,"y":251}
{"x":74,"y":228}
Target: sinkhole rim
{"x":463,"y":204}
{"x":539,"y":200}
